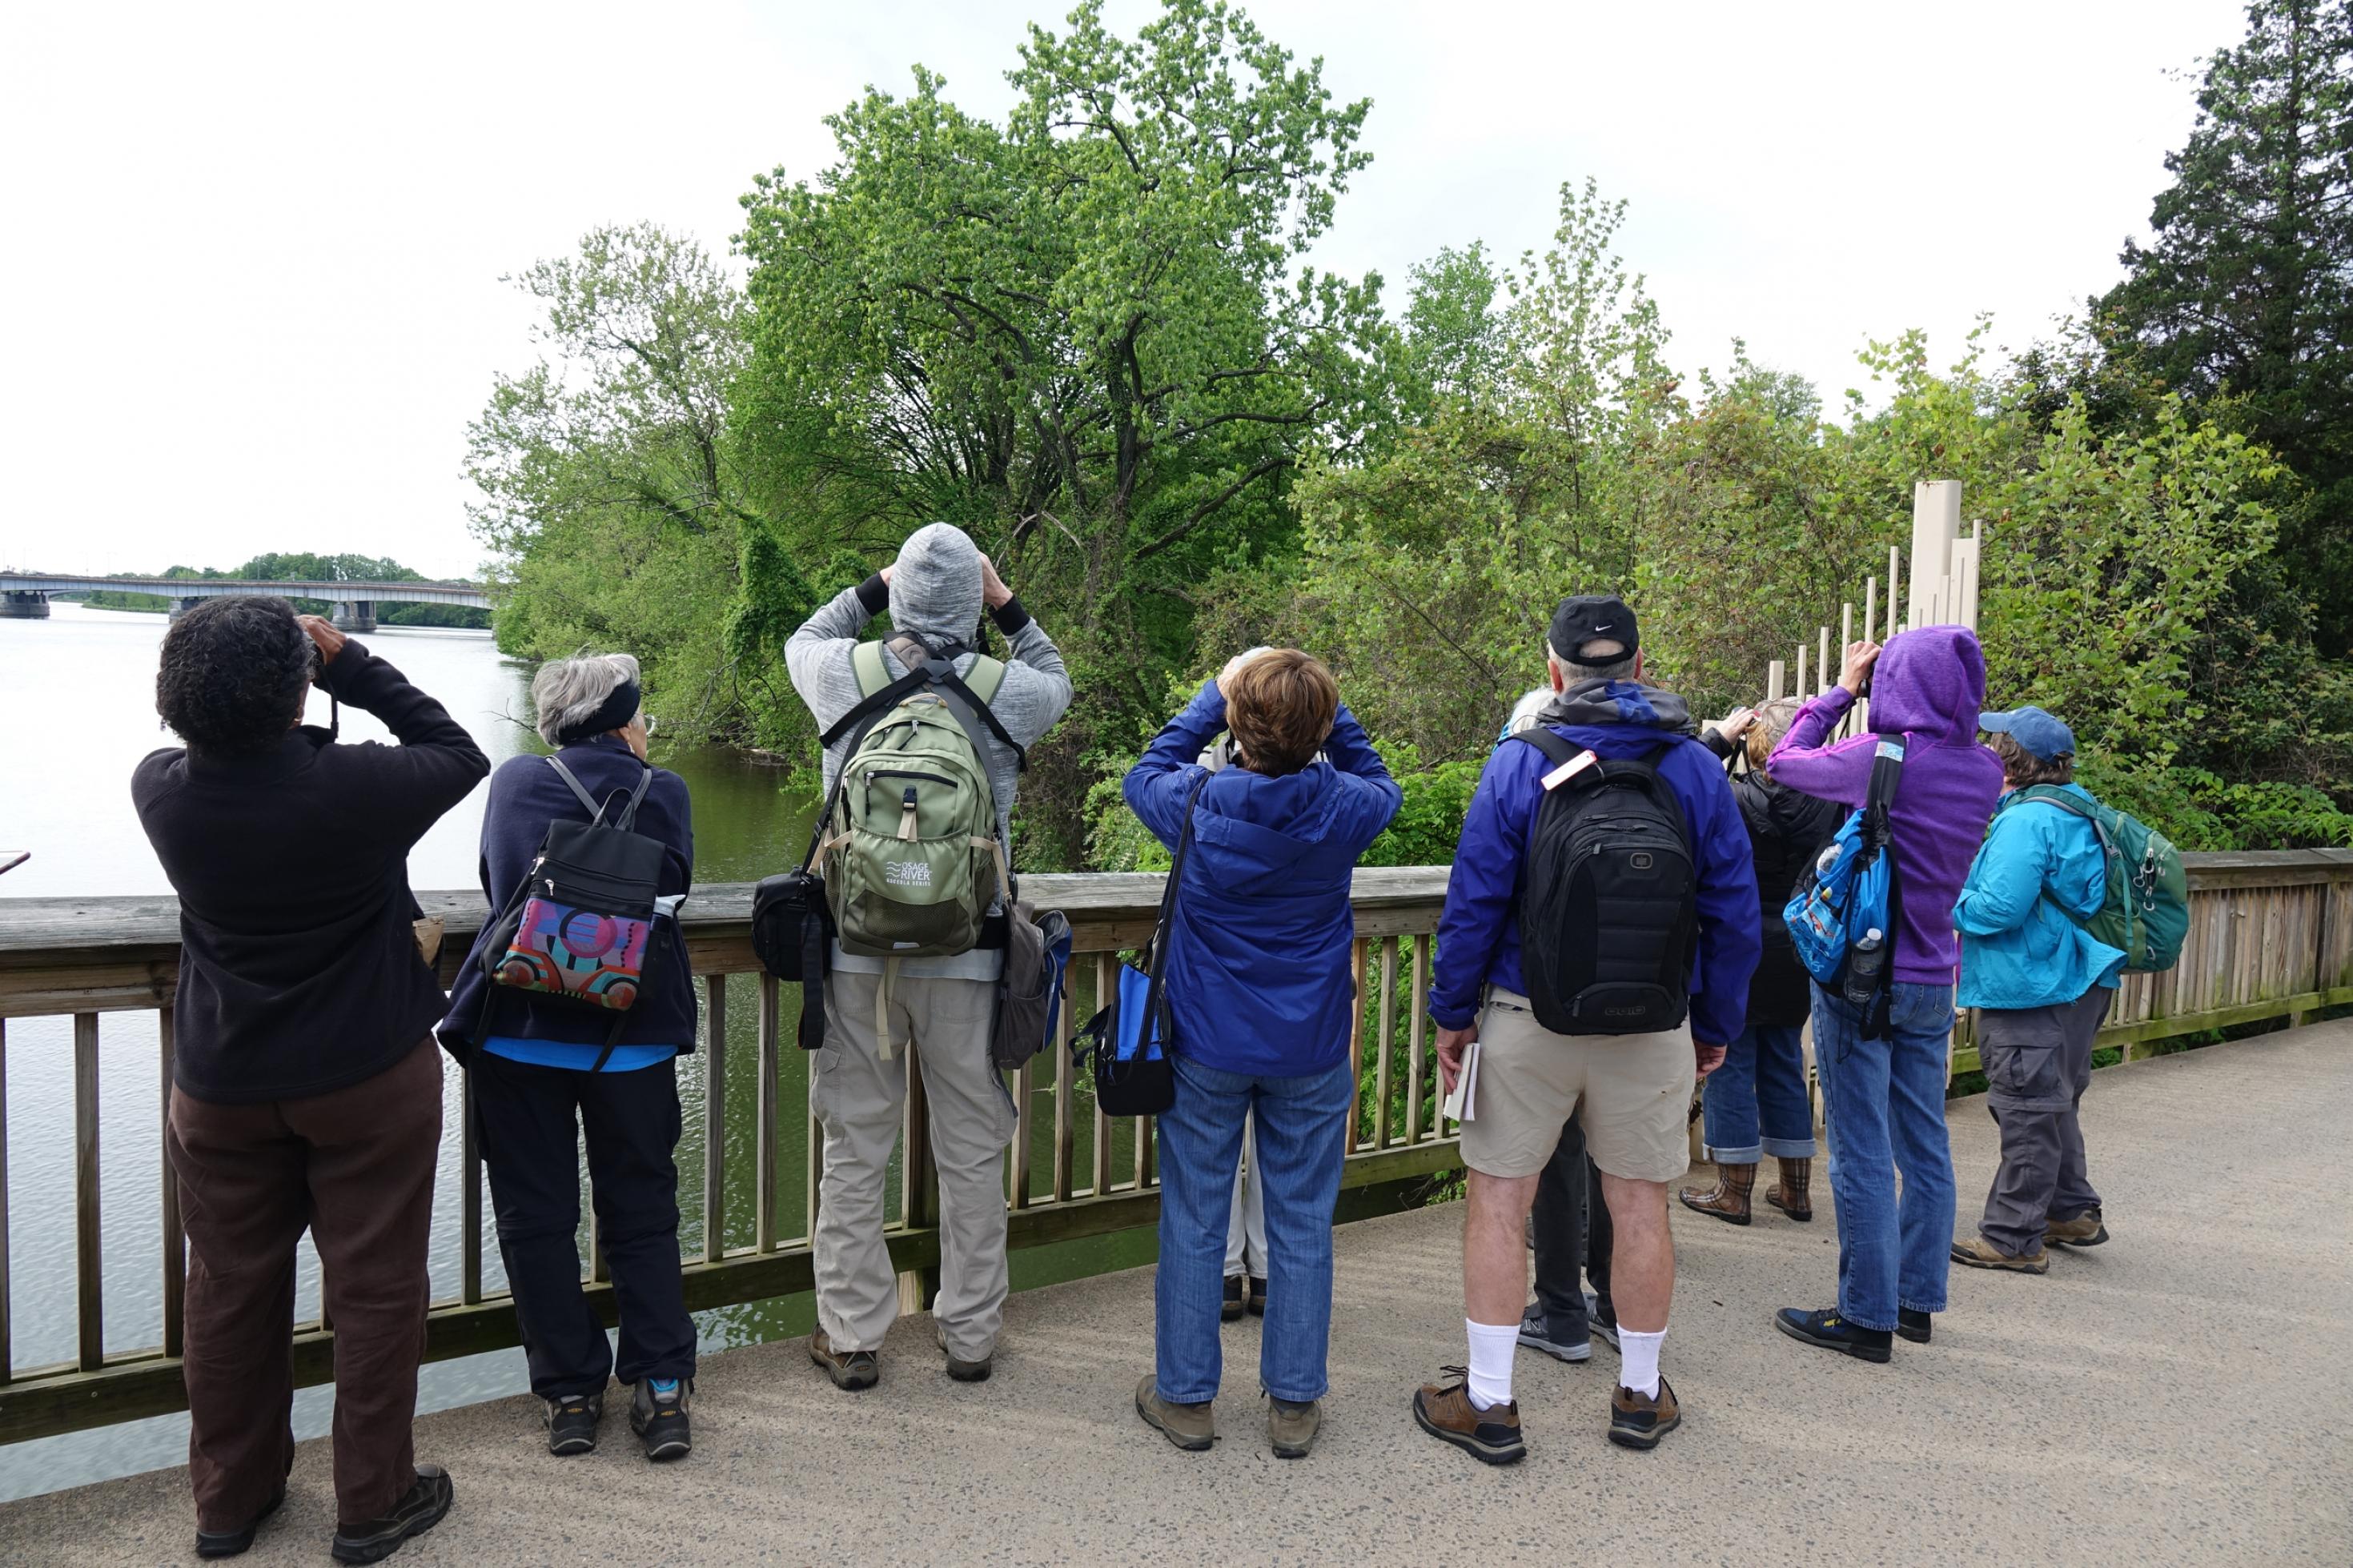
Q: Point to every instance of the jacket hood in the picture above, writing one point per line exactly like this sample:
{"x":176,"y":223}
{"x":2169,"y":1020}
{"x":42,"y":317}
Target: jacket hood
{"x":1252,"y":832}
{"x":1929,"y":682}
{"x":935,"y":586}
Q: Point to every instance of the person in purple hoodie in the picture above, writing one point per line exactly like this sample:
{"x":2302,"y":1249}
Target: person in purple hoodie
{"x":1884,"y":1099}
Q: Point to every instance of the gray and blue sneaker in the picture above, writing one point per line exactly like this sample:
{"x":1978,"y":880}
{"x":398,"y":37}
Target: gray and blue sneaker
{"x":657,"y":1416}
{"x":1536,"y":1333}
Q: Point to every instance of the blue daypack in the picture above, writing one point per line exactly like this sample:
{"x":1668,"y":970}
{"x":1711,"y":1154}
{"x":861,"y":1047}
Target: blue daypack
{"x":1848,"y":894}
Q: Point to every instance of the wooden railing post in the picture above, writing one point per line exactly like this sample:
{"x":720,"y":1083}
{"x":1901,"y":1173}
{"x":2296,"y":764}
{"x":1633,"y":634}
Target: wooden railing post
{"x":175,"y":1260}
{"x":88,"y":1276}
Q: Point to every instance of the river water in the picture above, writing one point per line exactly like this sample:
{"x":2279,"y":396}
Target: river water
{"x":82,"y":688}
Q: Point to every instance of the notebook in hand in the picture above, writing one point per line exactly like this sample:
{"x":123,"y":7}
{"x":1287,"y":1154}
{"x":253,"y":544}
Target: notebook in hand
{"x":1458,"y":1105}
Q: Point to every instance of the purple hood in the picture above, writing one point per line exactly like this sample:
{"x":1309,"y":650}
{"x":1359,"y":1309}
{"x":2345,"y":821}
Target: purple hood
{"x":1928,"y":687}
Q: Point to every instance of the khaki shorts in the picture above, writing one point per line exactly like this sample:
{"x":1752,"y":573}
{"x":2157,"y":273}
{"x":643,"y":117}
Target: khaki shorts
{"x":1636,"y":1090}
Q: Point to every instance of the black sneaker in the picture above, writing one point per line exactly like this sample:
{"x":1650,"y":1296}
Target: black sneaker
{"x":1601,"y":1320}
{"x":373,"y":1540}
{"x":1257,"y":1296}
{"x":572,"y":1424}
{"x":1231,"y":1307}
{"x":1536,"y":1332}
{"x":961,"y":1370}
{"x":230,"y":1543}
{"x":657,"y":1416}
{"x":1914,"y":1326}
{"x":1832,"y":1332}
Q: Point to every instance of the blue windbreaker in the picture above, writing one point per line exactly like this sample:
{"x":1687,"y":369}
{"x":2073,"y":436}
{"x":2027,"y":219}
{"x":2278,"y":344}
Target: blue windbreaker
{"x":1258,"y":973}
{"x":1479,"y":934}
{"x":2038,"y":865}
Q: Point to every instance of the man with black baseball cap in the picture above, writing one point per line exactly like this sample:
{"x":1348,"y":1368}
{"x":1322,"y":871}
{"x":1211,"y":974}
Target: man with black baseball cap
{"x":1632,"y":1089}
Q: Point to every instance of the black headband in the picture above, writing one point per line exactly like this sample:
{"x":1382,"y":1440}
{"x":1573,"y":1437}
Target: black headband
{"x":615,"y":713}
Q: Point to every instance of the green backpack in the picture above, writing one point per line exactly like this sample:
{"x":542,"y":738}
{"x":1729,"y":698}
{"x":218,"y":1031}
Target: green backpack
{"x":2146,"y":912}
{"x":912,"y":860}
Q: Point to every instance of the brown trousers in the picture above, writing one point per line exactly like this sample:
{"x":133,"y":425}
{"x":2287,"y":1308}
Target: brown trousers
{"x":356,"y":1168}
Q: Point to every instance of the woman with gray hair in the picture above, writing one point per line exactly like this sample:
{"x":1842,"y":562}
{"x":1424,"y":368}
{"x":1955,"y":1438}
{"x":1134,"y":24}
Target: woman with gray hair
{"x":1755,"y":1104}
{"x":544,"y":1069}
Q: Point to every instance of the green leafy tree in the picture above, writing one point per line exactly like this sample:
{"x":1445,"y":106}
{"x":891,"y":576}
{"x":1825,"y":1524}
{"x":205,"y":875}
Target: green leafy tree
{"x":2245,"y":291}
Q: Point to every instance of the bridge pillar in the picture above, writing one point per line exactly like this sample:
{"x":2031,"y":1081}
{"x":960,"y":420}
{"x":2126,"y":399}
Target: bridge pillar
{"x":182,"y":606}
{"x":355,"y":616}
{"x":25,"y":605}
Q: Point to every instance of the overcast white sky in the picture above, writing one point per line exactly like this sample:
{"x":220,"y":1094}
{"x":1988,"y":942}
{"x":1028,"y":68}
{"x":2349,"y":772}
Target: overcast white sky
{"x":252,"y":252}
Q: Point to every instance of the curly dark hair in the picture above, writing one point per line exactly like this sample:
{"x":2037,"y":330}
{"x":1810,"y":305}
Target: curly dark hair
{"x":234,"y":668}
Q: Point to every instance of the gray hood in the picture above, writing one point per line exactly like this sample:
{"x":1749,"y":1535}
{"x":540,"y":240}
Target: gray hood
{"x":935,"y":586}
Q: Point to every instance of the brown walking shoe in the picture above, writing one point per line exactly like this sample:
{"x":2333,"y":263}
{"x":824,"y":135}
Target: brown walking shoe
{"x":1291,"y":1427}
{"x":1728,"y":1199}
{"x":1446,"y":1413}
{"x":1789,"y":1194}
{"x":1640,"y":1420}
{"x":1188,"y":1426}
{"x":1977,"y":1252}
{"x":2086,"y":1229}
{"x":852,"y":1370}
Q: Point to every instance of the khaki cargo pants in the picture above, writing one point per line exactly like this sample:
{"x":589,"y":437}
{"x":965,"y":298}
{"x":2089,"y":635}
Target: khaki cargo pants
{"x":859,"y":1099}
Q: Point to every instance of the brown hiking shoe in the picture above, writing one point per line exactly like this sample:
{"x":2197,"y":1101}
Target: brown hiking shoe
{"x":1977,"y":1252}
{"x":852,"y":1370}
{"x":1728,"y":1199}
{"x":2086,"y":1229}
{"x":1640,"y":1420}
{"x":1291,"y":1428}
{"x":1187,"y":1426}
{"x":1789,"y":1194}
{"x":1446,"y":1413}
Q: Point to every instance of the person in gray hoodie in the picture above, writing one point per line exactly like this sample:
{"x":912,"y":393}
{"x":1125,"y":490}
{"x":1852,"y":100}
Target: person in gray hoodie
{"x":935,"y":592}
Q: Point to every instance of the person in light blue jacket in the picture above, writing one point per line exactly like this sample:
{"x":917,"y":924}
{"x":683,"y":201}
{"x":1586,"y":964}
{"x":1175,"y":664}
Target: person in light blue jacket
{"x":2042,"y":985}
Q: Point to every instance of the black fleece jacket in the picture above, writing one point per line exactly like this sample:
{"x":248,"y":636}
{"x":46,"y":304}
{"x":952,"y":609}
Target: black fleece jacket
{"x":299,"y":970}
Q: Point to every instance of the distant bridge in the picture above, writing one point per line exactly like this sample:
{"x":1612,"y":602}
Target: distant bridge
{"x":25,"y":596}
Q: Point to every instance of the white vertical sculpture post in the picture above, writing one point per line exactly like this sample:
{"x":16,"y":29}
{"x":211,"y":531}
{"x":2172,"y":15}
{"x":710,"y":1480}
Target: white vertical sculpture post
{"x":1936,"y":524}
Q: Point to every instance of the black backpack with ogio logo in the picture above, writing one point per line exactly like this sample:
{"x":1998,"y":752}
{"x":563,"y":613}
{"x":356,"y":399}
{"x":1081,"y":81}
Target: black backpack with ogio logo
{"x":1608,"y":913}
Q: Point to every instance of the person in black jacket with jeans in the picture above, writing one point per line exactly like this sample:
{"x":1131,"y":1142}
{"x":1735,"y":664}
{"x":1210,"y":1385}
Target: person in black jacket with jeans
{"x":306,"y":1092}
{"x":1755,"y":1104}
{"x":541,"y":1074}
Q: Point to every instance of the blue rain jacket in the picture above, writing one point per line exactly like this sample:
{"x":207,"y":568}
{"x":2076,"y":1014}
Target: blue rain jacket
{"x":2038,"y":866}
{"x":1479,"y":934}
{"x":1258,"y":975}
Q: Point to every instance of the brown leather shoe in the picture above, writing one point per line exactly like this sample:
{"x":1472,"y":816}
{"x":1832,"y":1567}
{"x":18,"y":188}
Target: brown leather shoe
{"x":1728,"y":1199}
{"x":852,"y":1370}
{"x":1977,"y":1252}
{"x":1639,"y":1421}
{"x":2086,"y":1229}
{"x":1446,"y":1413}
{"x":1789,"y":1194}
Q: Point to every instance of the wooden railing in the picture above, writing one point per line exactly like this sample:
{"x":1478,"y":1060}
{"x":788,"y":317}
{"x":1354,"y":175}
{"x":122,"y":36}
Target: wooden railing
{"x":2271,"y":935}
{"x":1072,"y":1173}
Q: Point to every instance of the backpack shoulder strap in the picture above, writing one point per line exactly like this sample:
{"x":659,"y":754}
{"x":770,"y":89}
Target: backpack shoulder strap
{"x":866,"y":663}
{"x":877,"y":691}
{"x":596,"y":812}
{"x":969,"y":706}
{"x":986,"y":677}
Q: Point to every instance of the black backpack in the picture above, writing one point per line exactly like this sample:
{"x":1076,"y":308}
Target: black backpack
{"x":1608,"y":916}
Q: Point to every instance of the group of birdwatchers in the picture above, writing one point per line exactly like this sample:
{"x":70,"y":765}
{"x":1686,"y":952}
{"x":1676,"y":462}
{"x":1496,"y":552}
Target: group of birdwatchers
{"x":1614,"y":932}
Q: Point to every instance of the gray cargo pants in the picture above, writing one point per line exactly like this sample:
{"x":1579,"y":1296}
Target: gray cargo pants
{"x":2038,"y":1062}
{"x":860,"y":1098}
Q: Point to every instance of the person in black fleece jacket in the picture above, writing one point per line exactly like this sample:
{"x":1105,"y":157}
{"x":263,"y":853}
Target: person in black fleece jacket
{"x":306,"y":1086}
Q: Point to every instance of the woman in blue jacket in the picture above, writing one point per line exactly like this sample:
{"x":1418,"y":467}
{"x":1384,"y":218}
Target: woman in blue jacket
{"x":1259,"y":985}
{"x":2042,"y":985}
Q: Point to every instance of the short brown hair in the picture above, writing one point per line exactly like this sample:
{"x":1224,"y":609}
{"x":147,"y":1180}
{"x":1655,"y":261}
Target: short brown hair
{"x":1280,"y":707}
{"x":2021,"y":767}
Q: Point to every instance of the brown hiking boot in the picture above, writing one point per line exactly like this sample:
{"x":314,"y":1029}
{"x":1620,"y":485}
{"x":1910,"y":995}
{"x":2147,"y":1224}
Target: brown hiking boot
{"x":1728,"y":1199}
{"x":1639,"y":1421}
{"x":1446,"y":1413}
{"x":1977,"y":1252}
{"x":1187,"y":1426}
{"x":2086,"y":1229}
{"x":1788,"y":1195}
{"x":1291,"y":1428}
{"x":852,"y":1370}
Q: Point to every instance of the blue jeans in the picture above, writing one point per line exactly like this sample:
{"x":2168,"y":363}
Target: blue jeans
{"x":1885,"y":1101}
{"x":1762,"y":1083}
{"x":1299,"y":1145}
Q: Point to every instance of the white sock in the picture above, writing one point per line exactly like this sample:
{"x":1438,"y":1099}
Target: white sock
{"x":1638,"y":1361}
{"x":1492,"y":1348}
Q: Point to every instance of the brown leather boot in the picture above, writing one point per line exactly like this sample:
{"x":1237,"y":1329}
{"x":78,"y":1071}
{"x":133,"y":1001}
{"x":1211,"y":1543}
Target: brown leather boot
{"x":1788,"y":1195}
{"x":1728,"y":1199}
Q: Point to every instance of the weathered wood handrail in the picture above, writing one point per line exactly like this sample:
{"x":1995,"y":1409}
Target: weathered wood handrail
{"x":2271,"y":935}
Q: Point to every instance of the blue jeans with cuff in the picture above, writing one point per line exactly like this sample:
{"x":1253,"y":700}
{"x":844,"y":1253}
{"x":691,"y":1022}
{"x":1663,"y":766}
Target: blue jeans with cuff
{"x":1755,"y":1104}
{"x":1884,"y":1101}
{"x":1299,"y":1144}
